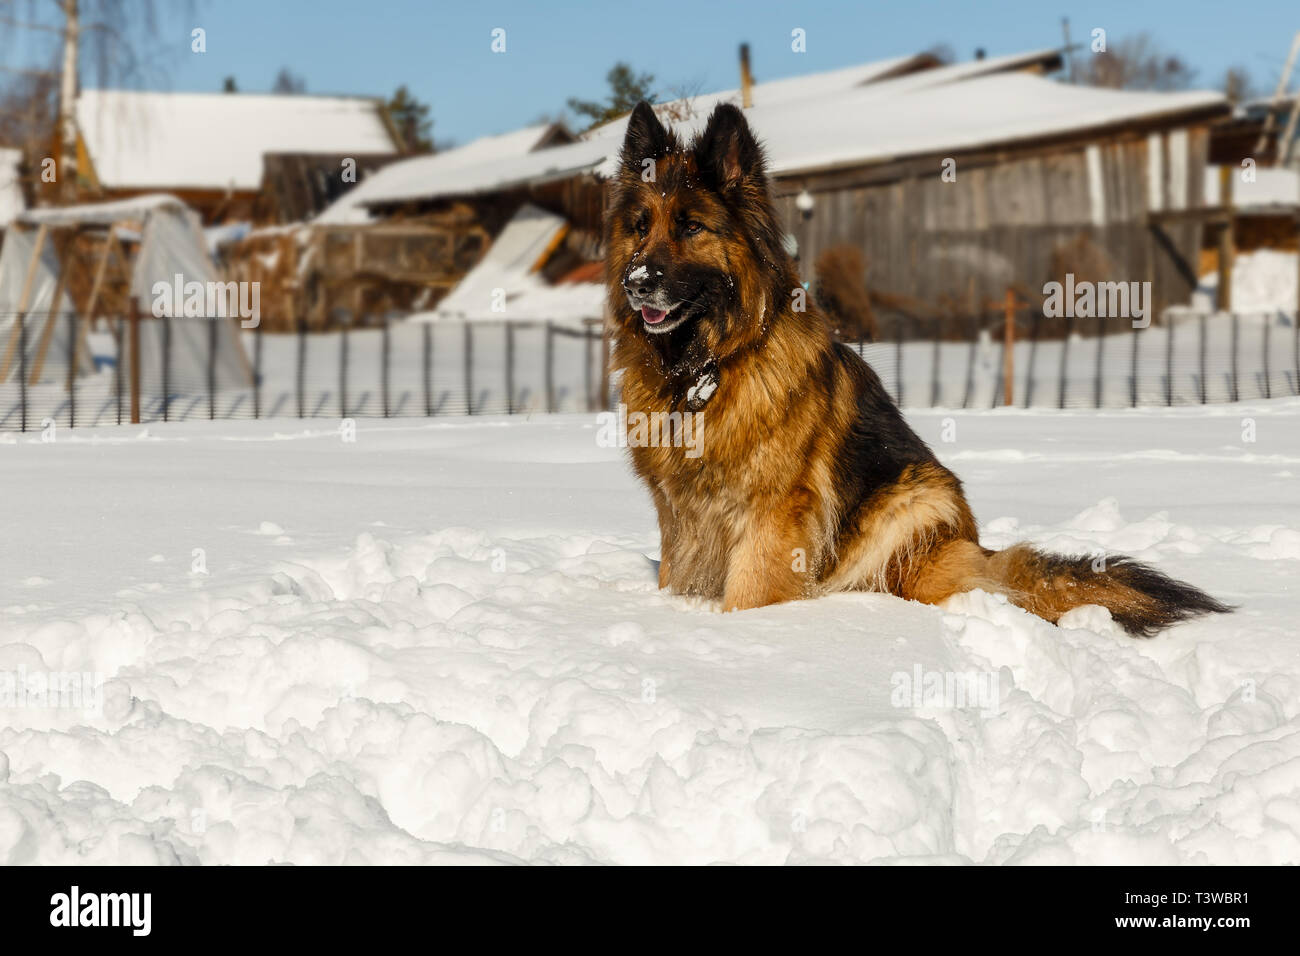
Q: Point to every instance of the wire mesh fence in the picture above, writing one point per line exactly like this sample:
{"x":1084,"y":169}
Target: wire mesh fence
{"x":57,"y":368}
{"x":192,"y":369}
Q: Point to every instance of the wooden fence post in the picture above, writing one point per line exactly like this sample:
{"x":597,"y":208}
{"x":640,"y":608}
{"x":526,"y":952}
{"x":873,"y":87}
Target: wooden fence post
{"x":1227,"y":242}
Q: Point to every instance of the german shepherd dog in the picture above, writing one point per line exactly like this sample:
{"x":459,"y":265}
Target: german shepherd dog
{"x":807,"y":480}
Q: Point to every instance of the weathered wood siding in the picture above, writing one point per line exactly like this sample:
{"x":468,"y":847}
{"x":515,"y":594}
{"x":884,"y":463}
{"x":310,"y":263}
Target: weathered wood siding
{"x":1013,"y":217}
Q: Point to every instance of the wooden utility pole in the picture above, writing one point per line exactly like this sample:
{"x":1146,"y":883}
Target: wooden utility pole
{"x":1009,"y":349}
{"x":1069,"y":54}
{"x":746,"y":78}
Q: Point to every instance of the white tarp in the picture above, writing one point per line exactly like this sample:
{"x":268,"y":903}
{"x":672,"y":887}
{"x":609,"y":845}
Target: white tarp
{"x":11,"y":193}
{"x":46,"y":326}
{"x":172,"y":245}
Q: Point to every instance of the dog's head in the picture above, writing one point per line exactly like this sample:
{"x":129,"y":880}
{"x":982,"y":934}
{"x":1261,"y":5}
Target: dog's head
{"x":695,"y":261}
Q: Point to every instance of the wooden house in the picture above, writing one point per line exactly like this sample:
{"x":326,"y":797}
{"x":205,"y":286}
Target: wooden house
{"x":210,"y":149}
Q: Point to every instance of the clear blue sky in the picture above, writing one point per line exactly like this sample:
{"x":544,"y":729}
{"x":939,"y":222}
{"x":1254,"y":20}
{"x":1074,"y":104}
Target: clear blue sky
{"x":441,"y":48}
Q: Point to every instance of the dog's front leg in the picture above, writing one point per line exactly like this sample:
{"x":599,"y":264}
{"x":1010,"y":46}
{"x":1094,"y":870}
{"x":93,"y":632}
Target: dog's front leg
{"x":769,"y":562}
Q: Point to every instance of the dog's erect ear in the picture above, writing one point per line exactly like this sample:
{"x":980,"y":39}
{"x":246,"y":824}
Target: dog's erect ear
{"x":646,"y":138}
{"x":726,"y":152}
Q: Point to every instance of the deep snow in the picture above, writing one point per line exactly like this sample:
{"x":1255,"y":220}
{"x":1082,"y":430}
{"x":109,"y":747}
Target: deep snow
{"x":443,"y":642}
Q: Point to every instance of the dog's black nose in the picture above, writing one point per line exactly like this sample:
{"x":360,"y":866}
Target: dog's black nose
{"x":642,"y":281}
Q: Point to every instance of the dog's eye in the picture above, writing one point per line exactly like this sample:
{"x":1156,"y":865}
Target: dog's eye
{"x":642,"y":224}
{"x":692,"y":228}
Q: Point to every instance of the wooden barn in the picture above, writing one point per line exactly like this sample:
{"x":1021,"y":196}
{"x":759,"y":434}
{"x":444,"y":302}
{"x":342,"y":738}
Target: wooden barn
{"x":956,"y":190}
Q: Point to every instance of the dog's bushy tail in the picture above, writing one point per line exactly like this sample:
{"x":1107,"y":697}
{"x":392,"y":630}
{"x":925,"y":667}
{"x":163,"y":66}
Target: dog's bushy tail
{"x":1141,"y":599}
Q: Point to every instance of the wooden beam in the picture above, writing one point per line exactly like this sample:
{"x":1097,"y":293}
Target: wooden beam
{"x":51,"y":321}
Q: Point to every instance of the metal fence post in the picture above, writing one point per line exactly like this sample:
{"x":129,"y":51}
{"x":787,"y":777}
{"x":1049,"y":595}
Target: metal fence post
{"x":934,"y":361}
{"x":1296,"y":351}
{"x":1101,"y":349}
{"x":72,"y":370}
{"x":973,"y":327}
{"x":1169,"y":362}
{"x":343,"y":372}
{"x":1204,"y":384}
{"x":428,"y":368}
{"x":1268,"y":391}
{"x":510,"y":368}
{"x":586,"y":368}
{"x":166,"y":365}
{"x":1034,"y":319}
{"x":257,"y":371}
{"x":1235,"y":395}
{"x":302,"y":363}
{"x":1134,"y":395}
{"x":898,"y":361}
{"x":212,"y":369}
{"x":134,"y":349}
{"x":550,"y":371}
{"x":1065,"y":360}
{"x":117,"y":367}
{"x":22,"y":370}
{"x":383,"y":373}
{"x":469,"y":368}
{"x":1009,"y":349}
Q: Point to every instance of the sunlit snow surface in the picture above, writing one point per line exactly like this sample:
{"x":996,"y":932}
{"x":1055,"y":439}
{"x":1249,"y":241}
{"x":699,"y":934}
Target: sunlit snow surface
{"x":443,"y":642}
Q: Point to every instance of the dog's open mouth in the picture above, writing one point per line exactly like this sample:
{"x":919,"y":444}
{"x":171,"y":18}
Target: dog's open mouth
{"x":658,"y":321}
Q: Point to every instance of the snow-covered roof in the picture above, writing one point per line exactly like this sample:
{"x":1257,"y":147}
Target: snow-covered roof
{"x":103,"y":213}
{"x":1271,"y":187}
{"x":887,"y":121}
{"x":11,"y":193}
{"x":150,"y":140}
{"x":965,"y":106}
{"x":410,"y":178}
{"x":492,"y":166}
{"x":895,"y":75}
{"x":506,"y":286}
{"x":901,"y":118}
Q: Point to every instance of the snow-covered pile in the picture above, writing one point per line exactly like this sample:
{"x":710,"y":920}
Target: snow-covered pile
{"x":442,"y":641}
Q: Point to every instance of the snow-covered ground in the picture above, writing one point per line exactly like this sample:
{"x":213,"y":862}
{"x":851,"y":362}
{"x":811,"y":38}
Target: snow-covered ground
{"x":442,"y":642}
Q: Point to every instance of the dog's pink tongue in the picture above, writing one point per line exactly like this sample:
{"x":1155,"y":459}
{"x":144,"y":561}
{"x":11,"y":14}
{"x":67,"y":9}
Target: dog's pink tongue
{"x":652,"y":316}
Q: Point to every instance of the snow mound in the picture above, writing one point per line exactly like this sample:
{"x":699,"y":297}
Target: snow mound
{"x":466,"y":659}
